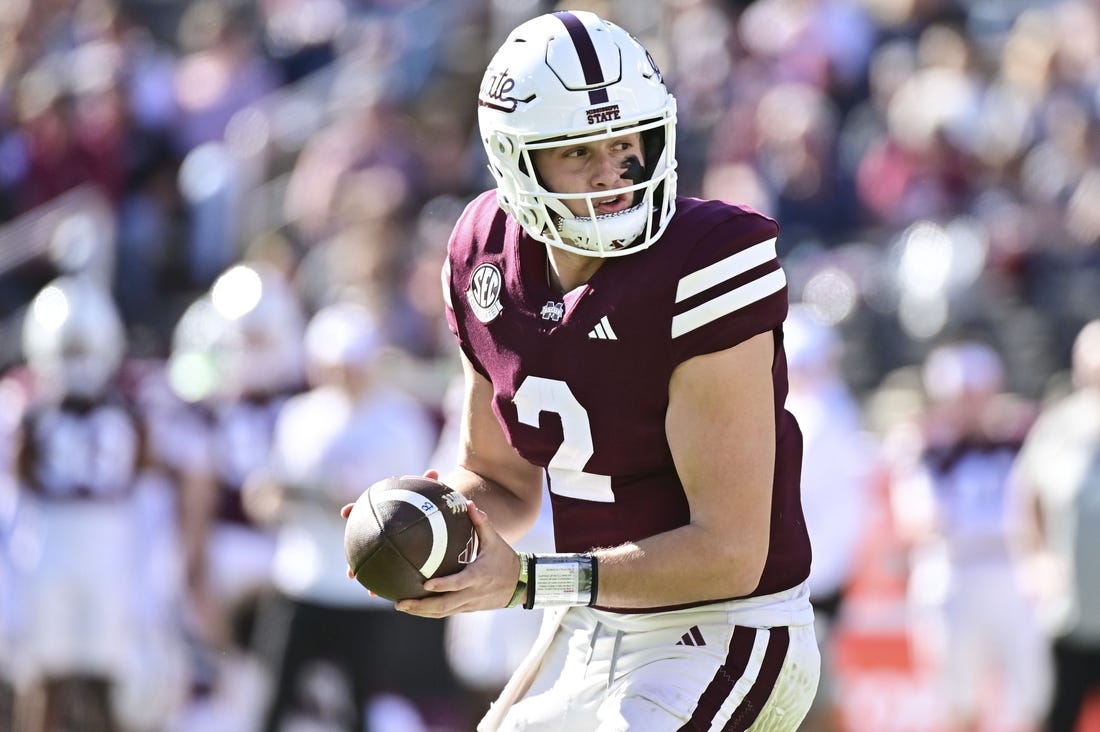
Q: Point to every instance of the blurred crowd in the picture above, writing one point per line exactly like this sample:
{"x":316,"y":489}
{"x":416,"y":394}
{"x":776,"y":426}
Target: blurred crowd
{"x":221,"y":229}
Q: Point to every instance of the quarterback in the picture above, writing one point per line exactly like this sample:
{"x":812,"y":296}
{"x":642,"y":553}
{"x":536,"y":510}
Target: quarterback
{"x":626,"y":345}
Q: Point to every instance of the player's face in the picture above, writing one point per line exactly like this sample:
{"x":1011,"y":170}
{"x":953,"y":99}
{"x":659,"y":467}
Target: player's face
{"x":590,"y":167}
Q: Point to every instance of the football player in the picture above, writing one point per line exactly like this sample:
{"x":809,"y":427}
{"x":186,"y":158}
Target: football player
{"x":629,"y":343}
{"x":81,"y":465}
{"x":237,"y":356}
{"x":1058,"y":469}
{"x":972,"y":625}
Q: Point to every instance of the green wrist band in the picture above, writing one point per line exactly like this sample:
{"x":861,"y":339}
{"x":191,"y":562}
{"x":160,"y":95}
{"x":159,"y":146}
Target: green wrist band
{"x":521,"y":584}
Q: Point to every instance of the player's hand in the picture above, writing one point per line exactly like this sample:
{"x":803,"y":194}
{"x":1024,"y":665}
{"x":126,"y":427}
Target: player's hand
{"x":487,"y":583}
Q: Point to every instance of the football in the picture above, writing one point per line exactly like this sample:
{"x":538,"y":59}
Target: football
{"x":406,"y":529}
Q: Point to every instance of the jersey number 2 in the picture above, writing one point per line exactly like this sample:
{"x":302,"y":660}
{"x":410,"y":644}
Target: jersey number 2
{"x":567,"y":477}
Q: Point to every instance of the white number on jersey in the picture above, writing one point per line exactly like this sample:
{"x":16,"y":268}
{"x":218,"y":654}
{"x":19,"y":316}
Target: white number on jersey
{"x":97,"y":452}
{"x":567,"y":477}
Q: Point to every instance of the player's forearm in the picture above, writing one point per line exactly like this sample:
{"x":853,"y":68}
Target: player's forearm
{"x":688,"y":564}
{"x":512,"y":511}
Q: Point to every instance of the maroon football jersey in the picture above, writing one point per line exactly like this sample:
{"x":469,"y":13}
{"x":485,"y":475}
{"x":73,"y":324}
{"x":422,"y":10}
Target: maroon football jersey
{"x":581,"y":381}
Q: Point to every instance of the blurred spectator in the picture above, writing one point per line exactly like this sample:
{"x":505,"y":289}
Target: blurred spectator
{"x":69,"y":135}
{"x":972,"y":623}
{"x":838,"y":459}
{"x":220,"y":71}
{"x":1059,"y":472}
{"x":358,"y":169}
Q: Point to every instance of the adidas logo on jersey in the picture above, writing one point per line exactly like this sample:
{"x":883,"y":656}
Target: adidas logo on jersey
{"x":603,"y":331}
{"x":692,"y":638}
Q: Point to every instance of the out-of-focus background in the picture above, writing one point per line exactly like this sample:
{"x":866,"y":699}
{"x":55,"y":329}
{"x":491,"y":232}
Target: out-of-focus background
{"x":263,"y":190}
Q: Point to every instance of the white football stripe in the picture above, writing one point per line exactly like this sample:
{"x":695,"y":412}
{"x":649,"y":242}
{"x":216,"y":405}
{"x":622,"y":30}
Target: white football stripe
{"x":435,"y":520}
{"x":725,"y":304}
{"x":725,"y":269}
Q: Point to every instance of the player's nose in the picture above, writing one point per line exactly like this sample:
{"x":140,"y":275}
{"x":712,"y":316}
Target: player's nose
{"x":607,"y":170}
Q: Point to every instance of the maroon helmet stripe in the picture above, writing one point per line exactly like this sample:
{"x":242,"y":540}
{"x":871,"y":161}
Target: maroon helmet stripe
{"x":586,"y":52}
{"x":721,"y":686}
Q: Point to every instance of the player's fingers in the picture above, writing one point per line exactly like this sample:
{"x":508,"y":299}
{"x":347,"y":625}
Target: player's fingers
{"x":432,"y":473}
{"x":433,"y":607}
{"x":467,"y":578}
{"x":440,"y":607}
{"x":346,"y":510}
{"x":487,"y":583}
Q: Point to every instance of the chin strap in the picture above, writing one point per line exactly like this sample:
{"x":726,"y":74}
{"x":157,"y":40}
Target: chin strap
{"x":619,"y":229}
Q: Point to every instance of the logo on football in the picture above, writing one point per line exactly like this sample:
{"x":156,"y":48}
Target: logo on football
{"x":404,"y":530}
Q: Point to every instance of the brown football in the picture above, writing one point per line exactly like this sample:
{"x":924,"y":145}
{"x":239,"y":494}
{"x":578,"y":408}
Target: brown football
{"x":404,"y":530}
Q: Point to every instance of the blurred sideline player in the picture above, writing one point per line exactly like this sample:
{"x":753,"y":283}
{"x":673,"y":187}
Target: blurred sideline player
{"x":973,"y":626}
{"x":837,"y":459}
{"x":1059,"y":473}
{"x":13,"y":396}
{"x":236,"y":359}
{"x":339,"y":656}
{"x":94,"y":651}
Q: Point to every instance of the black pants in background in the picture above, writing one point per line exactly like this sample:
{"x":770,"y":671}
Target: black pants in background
{"x":376,"y":650}
{"x":1076,"y":675}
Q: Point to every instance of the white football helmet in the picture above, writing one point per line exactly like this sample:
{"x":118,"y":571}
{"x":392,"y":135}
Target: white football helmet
{"x":265,"y":351}
{"x":200,"y":344}
{"x":73,"y":337}
{"x":572,"y":76}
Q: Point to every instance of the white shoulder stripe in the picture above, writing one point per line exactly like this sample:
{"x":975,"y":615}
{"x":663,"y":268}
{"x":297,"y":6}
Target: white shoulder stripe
{"x":725,"y":269}
{"x":729,"y":302}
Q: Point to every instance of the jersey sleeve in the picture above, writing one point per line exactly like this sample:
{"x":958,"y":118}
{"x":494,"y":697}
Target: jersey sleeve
{"x":461,"y":250}
{"x":731,"y":288}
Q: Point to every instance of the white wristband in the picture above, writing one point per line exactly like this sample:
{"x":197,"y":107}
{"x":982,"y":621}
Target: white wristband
{"x":562,"y":579}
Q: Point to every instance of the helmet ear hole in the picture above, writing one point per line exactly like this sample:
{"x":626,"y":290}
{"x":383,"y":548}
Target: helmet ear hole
{"x":505,"y":145}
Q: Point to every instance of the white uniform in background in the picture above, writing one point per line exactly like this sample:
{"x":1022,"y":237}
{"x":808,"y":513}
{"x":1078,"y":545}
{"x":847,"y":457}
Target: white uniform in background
{"x":92,"y":548}
{"x":1058,"y":471}
{"x":236,"y":358}
{"x":330,"y":443}
{"x":838,"y":463}
{"x":329,"y":449}
{"x":971,"y":619}
{"x":838,"y":453}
